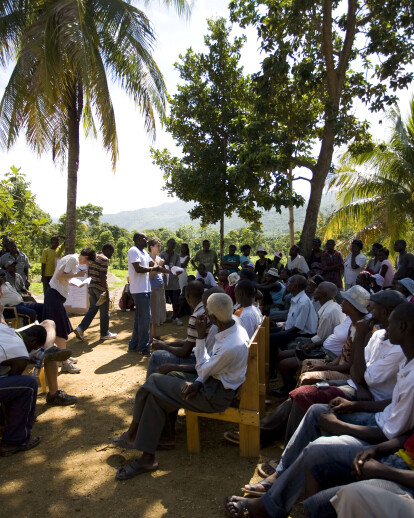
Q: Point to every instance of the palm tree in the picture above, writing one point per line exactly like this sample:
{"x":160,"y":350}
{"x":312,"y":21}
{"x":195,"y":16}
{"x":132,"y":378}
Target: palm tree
{"x":65,"y":50}
{"x":378,"y":202}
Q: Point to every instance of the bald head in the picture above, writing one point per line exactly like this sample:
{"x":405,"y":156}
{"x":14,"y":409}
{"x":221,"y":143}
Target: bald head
{"x":221,"y":306}
{"x":327,"y":289}
{"x":297,"y":283}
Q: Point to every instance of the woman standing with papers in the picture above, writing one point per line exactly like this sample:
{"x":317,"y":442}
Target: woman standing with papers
{"x":57,"y":294}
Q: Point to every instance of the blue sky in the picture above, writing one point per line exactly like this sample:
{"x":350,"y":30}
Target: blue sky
{"x":137,"y":182}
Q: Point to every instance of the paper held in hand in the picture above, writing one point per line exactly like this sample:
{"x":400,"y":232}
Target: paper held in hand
{"x":76,"y":281}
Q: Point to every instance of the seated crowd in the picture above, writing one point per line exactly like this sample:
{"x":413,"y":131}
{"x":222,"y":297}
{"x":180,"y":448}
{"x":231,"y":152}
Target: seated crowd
{"x":341,"y":343}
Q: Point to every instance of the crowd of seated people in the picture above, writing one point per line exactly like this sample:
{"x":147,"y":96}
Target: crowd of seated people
{"x":341,"y":345}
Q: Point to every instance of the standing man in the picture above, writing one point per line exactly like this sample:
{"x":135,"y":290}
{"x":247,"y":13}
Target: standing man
{"x":139,"y":266}
{"x":354,"y":263}
{"x":404,"y":264}
{"x":332,"y":264}
{"x":98,"y":271}
{"x":23,"y":264}
{"x":49,"y":256}
{"x":207,"y":257}
{"x":172,"y":288}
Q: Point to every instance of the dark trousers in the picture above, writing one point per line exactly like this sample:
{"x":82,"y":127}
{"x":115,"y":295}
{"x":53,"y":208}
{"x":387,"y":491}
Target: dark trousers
{"x":46,"y":281}
{"x":30,"y":312}
{"x":18,"y":396}
{"x":278,"y":341}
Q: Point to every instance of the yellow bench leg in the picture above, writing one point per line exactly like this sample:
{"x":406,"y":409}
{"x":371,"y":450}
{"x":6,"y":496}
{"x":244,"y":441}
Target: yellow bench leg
{"x":42,"y":379}
{"x":249,"y":440}
{"x":193,"y":433}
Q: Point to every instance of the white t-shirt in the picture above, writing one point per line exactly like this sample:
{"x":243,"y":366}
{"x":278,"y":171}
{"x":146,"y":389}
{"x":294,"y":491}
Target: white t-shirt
{"x":298,"y":262}
{"x":138,"y":282}
{"x":336,"y":341}
{"x":68,"y":264}
{"x":11,"y":348}
{"x":209,"y":279}
{"x":250,"y":319}
{"x":10,"y":296}
{"x":351,"y":274}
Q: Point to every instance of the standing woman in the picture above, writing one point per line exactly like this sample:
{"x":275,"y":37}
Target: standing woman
{"x":56,"y":295}
{"x":184,"y":260}
{"x":157,"y":297}
{"x":244,"y":258}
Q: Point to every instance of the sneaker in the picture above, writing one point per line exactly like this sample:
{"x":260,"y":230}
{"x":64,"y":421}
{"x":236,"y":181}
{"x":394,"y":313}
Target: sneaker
{"x":60,"y":398}
{"x":177,"y":322}
{"x":69,"y":367}
{"x":54,"y":354}
{"x":109,"y":336}
{"x":79,"y":333}
{"x":146,"y":353}
{"x":72,"y":359}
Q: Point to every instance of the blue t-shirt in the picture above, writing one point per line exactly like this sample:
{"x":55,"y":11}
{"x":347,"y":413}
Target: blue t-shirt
{"x":277,"y":295}
{"x":243,"y":259}
{"x":231,"y":259}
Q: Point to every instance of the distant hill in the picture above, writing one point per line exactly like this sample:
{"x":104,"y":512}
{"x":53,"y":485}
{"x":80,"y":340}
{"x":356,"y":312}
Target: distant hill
{"x":172,"y":215}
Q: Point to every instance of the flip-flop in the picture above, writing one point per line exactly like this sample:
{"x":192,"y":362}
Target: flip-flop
{"x":232,"y":437}
{"x":255,"y":492}
{"x":239,"y":505}
{"x":27,"y":445}
{"x":121,"y":442}
{"x":132,"y":470}
{"x":267,"y":468}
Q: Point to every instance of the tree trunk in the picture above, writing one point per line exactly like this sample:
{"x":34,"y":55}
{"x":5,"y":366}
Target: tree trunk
{"x":221,"y":237}
{"x":291,"y":212}
{"x":74,"y":112}
{"x":317,"y":184}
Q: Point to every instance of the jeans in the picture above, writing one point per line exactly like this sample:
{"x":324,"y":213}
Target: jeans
{"x":30,"y":312}
{"x":309,"y":430}
{"x":140,"y":334}
{"x":94,"y":294}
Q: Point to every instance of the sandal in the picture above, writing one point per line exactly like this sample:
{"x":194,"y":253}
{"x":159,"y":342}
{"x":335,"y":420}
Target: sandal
{"x":232,"y":437}
{"x":25,"y":446}
{"x":238,"y":505}
{"x":132,"y":470}
{"x":267,"y":468}
{"x":253,"y":488}
{"x":121,"y":442}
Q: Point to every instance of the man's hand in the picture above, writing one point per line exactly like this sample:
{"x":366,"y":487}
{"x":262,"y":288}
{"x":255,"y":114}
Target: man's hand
{"x":340,"y":405}
{"x":201,"y":325}
{"x":364,"y":327}
{"x":190,"y":390}
{"x":371,"y":468}
{"x":307,"y":346}
{"x":362,"y":457}
{"x":151,"y":264}
{"x":331,"y":424}
{"x":158,"y":345}
{"x":167,"y":367}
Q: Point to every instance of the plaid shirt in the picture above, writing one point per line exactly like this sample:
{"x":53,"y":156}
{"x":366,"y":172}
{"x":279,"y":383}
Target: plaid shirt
{"x":336,"y":260}
{"x":95,"y":270}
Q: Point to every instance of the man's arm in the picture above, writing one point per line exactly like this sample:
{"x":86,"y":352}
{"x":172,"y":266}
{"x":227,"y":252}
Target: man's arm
{"x":17,"y":365}
{"x":170,"y":367}
{"x":182,"y":349}
{"x":363,"y":333}
{"x":143,"y":269}
{"x":331,"y":424}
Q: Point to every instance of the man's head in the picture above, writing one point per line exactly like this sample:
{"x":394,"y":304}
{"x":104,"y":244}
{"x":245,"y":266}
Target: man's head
{"x":316,"y":244}
{"x":376,"y":247}
{"x":54,"y":242}
{"x":171,"y":245}
{"x":220,"y":308}
{"x":293,"y":252}
{"x":247,"y":274}
{"x":297,"y":284}
{"x":201,"y":268}
{"x":210,"y":291}
{"x":87,"y":256}
{"x":330,"y":245}
{"x":400,"y":245}
{"x":34,"y":337}
{"x":194,"y":293}
{"x":244,"y":293}
{"x":206,"y":245}
{"x":11,"y":268}
{"x":108,"y":250}
{"x":405,"y":286}
{"x":13,"y":247}
{"x":246,"y":249}
{"x":356,"y":246}
{"x":383,"y":254}
{"x":223,"y":276}
{"x":383,"y":303}
{"x":325,"y":291}
{"x":232,"y":249}
{"x":400,"y":328}
{"x":140,"y":240}
{"x":355,"y":299}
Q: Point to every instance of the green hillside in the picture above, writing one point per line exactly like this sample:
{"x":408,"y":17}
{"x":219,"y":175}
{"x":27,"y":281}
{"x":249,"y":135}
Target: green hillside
{"x":172,"y":215}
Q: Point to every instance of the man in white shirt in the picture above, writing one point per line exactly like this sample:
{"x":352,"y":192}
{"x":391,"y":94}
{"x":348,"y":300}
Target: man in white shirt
{"x":219,"y":376}
{"x":250,"y":315}
{"x":28,"y":311}
{"x":139,"y":266}
{"x":296,"y":263}
{"x":17,"y":392}
{"x":354,"y":263}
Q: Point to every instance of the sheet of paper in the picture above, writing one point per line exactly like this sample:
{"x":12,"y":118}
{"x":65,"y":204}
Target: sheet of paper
{"x":76,"y":281}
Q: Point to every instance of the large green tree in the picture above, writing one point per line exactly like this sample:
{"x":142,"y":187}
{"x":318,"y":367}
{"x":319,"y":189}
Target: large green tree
{"x":375,"y":189}
{"x":207,"y":121}
{"x":321,"y":57}
{"x":64,"y":51}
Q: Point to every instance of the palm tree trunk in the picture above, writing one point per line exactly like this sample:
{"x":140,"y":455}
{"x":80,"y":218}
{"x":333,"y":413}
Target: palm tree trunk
{"x":221,"y":236}
{"x":74,"y":114}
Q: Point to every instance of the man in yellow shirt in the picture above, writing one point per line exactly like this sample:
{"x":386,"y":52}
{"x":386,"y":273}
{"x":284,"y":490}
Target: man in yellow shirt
{"x":49,"y":257}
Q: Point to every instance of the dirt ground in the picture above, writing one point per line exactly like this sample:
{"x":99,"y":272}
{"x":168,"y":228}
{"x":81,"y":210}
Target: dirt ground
{"x":72,"y":471}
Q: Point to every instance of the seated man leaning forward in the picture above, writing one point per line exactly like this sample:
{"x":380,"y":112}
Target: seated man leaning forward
{"x":219,"y":377}
{"x":180,"y":354}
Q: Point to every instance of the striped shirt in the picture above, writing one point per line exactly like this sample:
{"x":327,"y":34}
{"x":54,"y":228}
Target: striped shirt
{"x":192,"y":334}
{"x":98,"y":270}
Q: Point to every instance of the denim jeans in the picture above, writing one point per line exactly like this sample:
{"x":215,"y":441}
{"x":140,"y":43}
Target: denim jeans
{"x":140,"y":334}
{"x":94,"y":294}
{"x":329,"y":459}
{"x":159,"y":358}
{"x":309,"y":430}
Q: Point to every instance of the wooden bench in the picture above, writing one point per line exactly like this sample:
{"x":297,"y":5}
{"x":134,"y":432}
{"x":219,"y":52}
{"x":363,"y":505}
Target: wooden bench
{"x":251,"y":400}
